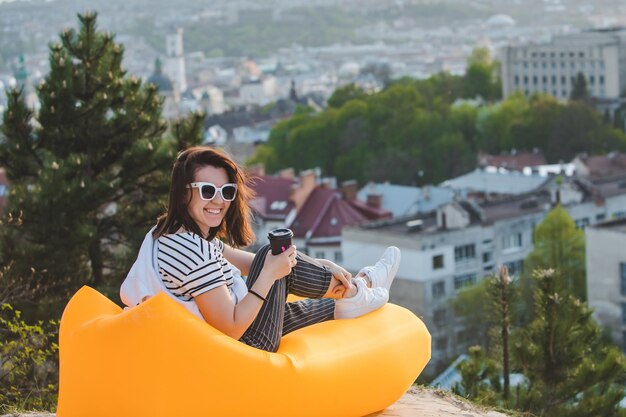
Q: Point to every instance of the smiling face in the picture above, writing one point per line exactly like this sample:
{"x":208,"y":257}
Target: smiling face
{"x":208,"y":214}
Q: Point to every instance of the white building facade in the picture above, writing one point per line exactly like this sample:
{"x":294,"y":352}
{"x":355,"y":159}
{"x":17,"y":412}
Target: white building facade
{"x":551,"y":68}
{"x":606,"y":277}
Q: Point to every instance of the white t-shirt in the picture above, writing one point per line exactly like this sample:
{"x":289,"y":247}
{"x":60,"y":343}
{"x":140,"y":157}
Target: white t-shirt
{"x":190,"y":265}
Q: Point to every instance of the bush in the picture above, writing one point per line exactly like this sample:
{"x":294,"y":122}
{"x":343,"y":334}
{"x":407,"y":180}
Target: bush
{"x":29,"y":363}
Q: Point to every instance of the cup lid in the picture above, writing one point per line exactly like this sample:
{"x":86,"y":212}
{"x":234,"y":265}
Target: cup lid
{"x":279,"y":233}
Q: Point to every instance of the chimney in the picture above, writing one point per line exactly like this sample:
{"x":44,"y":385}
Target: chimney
{"x":375,"y":200}
{"x":304,"y":189}
{"x":287,"y":173}
{"x":348,"y":190}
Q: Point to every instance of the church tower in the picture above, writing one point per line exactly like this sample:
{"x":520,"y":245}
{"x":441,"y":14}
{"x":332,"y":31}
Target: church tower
{"x":175,"y":59}
{"x":24,"y":82}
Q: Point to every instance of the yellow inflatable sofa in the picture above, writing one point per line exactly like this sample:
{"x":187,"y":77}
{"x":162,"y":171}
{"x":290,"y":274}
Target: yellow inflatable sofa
{"x":159,"y":360}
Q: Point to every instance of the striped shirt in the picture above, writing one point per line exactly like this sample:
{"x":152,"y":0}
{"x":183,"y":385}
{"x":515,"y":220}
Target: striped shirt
{"x":190,"y":265}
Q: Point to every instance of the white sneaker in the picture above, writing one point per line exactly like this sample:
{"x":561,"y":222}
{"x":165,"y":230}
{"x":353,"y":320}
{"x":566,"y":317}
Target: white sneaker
{"x":366,"y":300}
{"x":384,"y":271}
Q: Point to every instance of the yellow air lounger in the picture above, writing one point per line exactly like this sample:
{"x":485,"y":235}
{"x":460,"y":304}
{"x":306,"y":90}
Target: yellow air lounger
{"x":159,"y":360}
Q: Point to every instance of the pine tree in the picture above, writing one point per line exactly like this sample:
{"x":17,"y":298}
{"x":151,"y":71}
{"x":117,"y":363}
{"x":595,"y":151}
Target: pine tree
{"x":560,"y":245}
{"x":568,"y":371}
{"x":88,"y":172}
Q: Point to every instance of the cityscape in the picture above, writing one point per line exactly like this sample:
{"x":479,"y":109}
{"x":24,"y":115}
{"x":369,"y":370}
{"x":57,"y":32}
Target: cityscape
{"x":250,"y":67}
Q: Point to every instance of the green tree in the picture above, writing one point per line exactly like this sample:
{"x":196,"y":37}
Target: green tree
{"x":559,"y":244}
{"x":88,"y":171}
{"x":533,"y":129}
{"x":482,"y":78}
{"x":344,"y":94}
{"x":567,"y":367}
{"x":568,"y":371}
{"x":579,"y":89}
{"x":495,"y":123}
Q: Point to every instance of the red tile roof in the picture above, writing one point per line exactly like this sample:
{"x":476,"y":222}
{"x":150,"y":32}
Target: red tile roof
{"x":605,"y":165}
{"x":324,"y":214}
{"x":272,"y":200}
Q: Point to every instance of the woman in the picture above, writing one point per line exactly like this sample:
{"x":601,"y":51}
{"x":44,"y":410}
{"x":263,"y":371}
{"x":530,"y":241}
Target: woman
{"x":184,"y":256}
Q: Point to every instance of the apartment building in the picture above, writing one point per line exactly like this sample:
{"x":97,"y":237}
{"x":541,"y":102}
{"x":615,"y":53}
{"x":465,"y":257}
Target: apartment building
{"x":606,"y":276}
{"x":463,"y":241}
{"x":600,"y":55}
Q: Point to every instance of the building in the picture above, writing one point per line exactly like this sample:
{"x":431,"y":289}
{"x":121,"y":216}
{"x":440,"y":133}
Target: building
{"x":175,"y":59}
{"x":167,"y":90}
{"x":598,"y":166}
{"x":515,"y":161}
{"x":404,"y":200}
{"x":312,"y":208}
{"x":606,"y":276}
{"x":491,"y":183}
{"x":599,"y":55}
{"x":463,"y":241}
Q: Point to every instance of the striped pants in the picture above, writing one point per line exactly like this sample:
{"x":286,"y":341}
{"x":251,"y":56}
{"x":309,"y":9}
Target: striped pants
{"x":278,"y":317}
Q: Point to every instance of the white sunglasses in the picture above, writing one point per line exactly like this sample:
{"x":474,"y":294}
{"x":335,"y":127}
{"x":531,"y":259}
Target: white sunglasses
{"x":208,"y":190}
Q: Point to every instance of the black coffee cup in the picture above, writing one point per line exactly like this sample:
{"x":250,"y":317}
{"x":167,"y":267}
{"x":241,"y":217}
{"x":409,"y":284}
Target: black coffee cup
{"x":280,"y":240}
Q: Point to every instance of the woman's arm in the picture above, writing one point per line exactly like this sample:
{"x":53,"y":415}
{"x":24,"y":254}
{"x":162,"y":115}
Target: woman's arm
{"x":219,"y":310}
{"x":240,"y":258}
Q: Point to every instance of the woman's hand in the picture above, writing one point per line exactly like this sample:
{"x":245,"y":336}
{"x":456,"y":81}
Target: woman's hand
{"x":279,"y":266}
{"x":340,"y":273}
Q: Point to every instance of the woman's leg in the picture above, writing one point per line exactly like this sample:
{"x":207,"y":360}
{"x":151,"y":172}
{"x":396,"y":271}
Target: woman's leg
{"x":267,"y":328}
{"x":308,"y":279}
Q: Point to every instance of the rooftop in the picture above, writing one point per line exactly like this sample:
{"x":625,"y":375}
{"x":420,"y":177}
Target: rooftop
{"x":496,"y":182}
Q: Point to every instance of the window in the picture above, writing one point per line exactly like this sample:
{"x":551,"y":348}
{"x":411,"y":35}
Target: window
{"x":623,"y":313}
{"x":515,"y":268}
{"x":622,"y":271}
{"x":464,"y":281}
{"x":487,"y":257}
{"x":525,"y":79}
{"x":592,"y":79}
{"x":465,"y":252}
{"x":582,"y":223}
{"x":338,"y":257}
{"x":517,"y":80}
{"x":439,"y":289}
{"x":513,"y":241}
{"x":619,"y":214}
{"x":535,"y":79}
{"x":601,"y":79}
{"x":600,"y":217}
{"x":544,"y":79}
{"x":554,"y":80}
{"x":437,"y":261}
{"x":440,"y":317}
{"x":563,"y":79}
{"x":319,"y":254}
{"x":441,"y":343}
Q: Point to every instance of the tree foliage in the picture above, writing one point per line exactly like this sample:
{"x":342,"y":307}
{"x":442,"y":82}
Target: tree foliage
{"x":566,"y":367}
{"x":568,"y":371}
{"x":559,"y":244}
{"x":87,"y":171}
{"x":28,"y":362}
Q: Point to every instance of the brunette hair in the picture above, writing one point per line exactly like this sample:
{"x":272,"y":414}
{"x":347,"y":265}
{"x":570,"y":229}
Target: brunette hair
{"x":235,"y":228}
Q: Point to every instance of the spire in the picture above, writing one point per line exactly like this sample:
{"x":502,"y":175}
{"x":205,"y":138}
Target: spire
{"x":158,"y":67}
{"x":21,"y":74}
{"x":292,"y":92}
